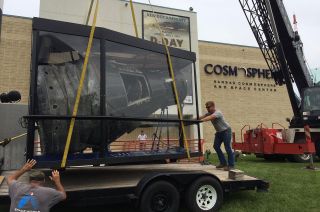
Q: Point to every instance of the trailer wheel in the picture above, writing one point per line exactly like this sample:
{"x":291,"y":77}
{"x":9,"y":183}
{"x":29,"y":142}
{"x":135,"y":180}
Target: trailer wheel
{"x":205,"y":194}
{"x":160,"y":196}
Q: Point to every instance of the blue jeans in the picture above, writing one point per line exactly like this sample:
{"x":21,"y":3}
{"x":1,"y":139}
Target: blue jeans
{"x":225,"y":137}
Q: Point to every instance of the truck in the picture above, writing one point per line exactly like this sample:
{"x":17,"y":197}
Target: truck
{"x":282,"y":49}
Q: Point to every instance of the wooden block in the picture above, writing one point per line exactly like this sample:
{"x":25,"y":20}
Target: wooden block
{"x":1,"y":179}
{"x":236,"y":174}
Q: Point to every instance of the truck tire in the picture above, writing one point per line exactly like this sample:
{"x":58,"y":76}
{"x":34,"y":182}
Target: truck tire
{"x":274,"y":157}
{"x":205,"y":194}
{"x":317,"y":144}
{"x":160,"y":196}
{"x":304,"y":158}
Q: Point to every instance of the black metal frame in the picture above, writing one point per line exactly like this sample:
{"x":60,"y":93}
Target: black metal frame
{"x":103,"y":35}
{"x":259,"y":21}
{"x":40,"y":24}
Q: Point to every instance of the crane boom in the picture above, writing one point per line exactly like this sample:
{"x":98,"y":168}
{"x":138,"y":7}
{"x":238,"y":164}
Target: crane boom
{"x":280,"y":46}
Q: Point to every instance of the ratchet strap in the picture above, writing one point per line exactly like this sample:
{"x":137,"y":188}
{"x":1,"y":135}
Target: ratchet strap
{"x":83,"y":74}
{"x":176,"y":95}
{"x":8,"y":140}
{"x":134,"y":19}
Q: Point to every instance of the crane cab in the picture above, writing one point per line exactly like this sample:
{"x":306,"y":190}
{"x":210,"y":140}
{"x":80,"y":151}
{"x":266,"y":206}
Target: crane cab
{"x":311,"y":106}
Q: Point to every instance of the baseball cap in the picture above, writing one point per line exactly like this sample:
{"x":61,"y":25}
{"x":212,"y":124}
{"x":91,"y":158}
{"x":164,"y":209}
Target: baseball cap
{"x":36,"y":175}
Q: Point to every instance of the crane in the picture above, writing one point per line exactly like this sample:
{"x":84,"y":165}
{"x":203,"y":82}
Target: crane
{"x":282,"y":49}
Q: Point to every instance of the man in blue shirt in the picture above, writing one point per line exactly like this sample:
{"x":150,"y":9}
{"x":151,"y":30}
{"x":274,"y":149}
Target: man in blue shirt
{"x":223,"y":135}
{"x":33,"y":196}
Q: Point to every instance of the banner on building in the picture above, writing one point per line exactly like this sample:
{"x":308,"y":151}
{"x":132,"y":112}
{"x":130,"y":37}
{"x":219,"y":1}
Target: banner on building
{"x":176,"y":30}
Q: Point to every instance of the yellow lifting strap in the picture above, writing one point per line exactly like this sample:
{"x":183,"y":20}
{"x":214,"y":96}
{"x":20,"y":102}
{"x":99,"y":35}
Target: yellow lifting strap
{"x":134,"y":19}
{"x":89,"y":12}
{"x":83,"y":74}
{"x":176,"y":95}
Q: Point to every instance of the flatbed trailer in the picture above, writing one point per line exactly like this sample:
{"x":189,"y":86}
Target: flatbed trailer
{"x":156,"y":186}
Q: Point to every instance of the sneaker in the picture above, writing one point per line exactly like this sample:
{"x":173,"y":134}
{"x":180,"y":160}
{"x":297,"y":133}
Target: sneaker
{"x":228,"y":168}
{"x":221,"y":166}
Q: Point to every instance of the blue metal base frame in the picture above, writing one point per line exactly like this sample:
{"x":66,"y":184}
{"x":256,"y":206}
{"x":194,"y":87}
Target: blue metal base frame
{"x":111,"y":158}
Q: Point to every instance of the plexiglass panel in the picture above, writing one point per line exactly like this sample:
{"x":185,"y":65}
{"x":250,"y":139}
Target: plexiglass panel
{"x":139,"y":84}
{"x":60,"y":64}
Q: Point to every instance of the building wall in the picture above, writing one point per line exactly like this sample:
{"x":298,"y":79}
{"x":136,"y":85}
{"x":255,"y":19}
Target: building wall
{"x":113,"y":14}
{"x":240,"y":106}
{"x":15,"y":55}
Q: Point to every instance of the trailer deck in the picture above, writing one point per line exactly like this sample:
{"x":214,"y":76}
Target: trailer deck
{"x":122,"y":182}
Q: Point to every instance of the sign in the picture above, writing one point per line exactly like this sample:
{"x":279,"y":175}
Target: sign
{"x":234,"y":71}
{"x":228,"y":70}
{"x":244,"y":86}
{"x":176,"y":29}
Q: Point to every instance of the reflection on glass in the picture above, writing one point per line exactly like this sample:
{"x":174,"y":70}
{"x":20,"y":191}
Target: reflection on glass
{"x":138,"y":81}
{"x":311,"y":99}
{"x":59,"y":68}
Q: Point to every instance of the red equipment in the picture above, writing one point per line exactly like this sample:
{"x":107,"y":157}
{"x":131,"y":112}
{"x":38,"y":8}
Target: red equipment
{"x":270,"y":141}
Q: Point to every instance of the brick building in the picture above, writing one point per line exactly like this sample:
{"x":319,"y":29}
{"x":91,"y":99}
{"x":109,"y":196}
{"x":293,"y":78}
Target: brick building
{"x":15,"y":55}
{"x":244,"y":100}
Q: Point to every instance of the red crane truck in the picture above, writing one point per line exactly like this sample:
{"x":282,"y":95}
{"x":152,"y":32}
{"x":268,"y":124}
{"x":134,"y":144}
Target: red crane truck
{"x":282,"y":49}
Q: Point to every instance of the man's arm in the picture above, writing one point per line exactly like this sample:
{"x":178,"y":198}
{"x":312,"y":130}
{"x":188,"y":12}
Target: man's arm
{"x":56,"y":179}
{"x":203,"y":116}
{"x":27,"y":166}
{"x":208,"y":118}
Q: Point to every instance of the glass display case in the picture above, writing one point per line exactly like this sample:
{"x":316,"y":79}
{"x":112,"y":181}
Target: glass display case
{"x":127,"y":89}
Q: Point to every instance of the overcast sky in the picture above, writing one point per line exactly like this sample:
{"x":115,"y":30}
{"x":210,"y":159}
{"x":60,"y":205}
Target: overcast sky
{"x":221,"y":20}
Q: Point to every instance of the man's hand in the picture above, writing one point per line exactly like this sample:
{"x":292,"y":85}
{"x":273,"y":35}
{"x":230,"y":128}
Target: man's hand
{"x":55,"y":176}
{"x":29,"y":165}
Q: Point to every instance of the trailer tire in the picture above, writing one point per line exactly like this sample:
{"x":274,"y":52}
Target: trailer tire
{"x":160,"y":196}
{"x":208,"y":188}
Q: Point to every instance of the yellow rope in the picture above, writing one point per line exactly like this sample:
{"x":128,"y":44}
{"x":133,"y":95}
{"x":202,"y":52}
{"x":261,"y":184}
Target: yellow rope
{"x":83,"y":74}
{"x":176,"y":95}
{"x":134,"y":19}
{"x":89,"y":12}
